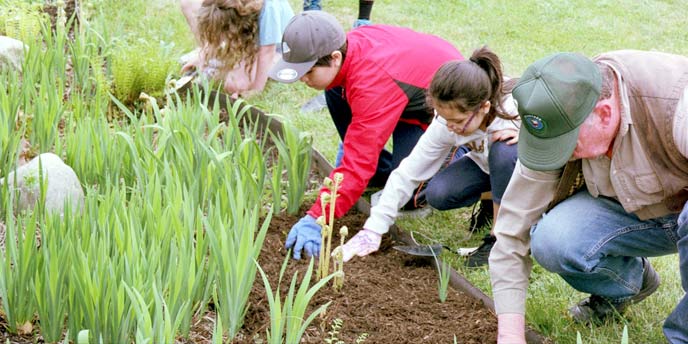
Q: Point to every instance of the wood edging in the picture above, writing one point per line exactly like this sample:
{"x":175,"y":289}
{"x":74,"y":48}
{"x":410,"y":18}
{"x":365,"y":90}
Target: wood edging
{"x":320,"y":163}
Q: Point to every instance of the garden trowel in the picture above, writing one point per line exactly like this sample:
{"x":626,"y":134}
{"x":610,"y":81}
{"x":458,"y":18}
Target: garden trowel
{"x":421,"y":250}
{"x":431,"y":250}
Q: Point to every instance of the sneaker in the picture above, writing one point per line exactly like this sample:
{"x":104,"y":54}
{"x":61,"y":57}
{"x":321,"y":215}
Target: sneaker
{"x":482,"y":216}
{"x":481,"y":254}
{"x":596,"y":308}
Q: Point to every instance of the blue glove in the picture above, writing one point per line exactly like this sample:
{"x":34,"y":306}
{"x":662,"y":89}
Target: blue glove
{"x":362,"y":22}
{"x":340,"y":155}
{"x":683,"y":218}
{"x":306,"y":235}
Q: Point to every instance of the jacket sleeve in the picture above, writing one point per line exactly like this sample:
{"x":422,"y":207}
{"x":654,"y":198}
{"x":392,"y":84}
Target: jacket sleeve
{"x":425,"y":159}
{"x":376,"y":106}
{"x":525,"y":200}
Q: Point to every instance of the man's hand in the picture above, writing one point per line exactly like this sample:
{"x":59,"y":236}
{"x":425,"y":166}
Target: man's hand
{"x":362,"y":244}
{"x":304,"y":235}
{"x":508,"y":135}
{"x":683,"y":217}
{"x":511,"y":328}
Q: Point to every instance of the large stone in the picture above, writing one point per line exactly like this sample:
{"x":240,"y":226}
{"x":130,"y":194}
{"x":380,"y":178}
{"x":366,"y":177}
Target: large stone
{"x":62,"y":184}
{"x":11,"y":53}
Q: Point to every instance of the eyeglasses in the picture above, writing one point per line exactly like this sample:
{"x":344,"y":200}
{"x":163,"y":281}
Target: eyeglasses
{"x":465,"y":122}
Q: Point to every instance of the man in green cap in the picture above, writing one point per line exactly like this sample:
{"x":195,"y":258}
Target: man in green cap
{"x":618,"y":124}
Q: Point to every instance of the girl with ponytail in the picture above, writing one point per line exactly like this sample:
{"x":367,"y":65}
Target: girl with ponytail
{"x":473,"y":108}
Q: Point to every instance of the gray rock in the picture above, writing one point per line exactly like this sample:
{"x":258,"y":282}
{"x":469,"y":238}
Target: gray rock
{"x":11,"y":53}
{"x":315,"y":104}
{"x":62,"y":184}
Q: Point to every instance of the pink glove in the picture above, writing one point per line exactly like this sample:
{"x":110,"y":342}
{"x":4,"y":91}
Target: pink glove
{"x":362,"y":244}
{"x":511,"y":328}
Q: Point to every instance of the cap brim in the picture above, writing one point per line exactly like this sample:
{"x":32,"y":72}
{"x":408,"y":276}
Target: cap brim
{"x":546,"y":154}
{"x":288,"y":72}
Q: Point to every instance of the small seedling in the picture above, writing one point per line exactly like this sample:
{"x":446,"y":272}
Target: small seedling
{"x":443,"y":272}
{"x":338,"y":281}
{"x":327,"y":223}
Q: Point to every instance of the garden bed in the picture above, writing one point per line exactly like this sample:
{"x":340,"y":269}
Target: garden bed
{"x":390,"y":296}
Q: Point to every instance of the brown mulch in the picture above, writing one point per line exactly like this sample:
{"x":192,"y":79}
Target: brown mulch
{"x":390,"y":296}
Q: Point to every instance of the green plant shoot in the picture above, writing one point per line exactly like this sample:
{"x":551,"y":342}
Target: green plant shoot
{"x":327,"y":223}
{"x":443,"y":273}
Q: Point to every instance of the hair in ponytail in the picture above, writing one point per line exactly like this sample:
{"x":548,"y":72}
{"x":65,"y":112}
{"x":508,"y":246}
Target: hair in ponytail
{"x":466,"y":84}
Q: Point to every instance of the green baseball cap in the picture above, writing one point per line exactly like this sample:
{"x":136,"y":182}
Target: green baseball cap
{"x":307,"y":37}
{"x":555,"y":95}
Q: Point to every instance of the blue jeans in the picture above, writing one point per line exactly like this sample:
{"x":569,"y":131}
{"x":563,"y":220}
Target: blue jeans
{"x":595,"y":246}
{"x":311,"y":5}
{"x":404,"y":137}
{"x":461,"y":183}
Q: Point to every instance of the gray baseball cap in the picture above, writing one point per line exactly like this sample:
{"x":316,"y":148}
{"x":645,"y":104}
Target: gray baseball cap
{"x":308,"y":36}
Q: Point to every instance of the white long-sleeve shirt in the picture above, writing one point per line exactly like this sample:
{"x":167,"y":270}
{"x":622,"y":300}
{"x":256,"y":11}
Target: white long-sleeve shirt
{"x":427,"y":158}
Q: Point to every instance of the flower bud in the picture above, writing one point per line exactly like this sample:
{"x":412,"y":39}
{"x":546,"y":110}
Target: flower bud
{"x":344,"y":231}
{"x":328,"y":183}
{"x":338,"y":178}
{"x":325,"y":197}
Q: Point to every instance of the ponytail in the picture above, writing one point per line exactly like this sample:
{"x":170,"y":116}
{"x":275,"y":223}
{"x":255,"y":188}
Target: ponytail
{"x":465,"y":85}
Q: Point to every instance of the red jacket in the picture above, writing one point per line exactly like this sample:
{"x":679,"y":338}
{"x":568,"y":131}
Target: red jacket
{"x":385,"y":74}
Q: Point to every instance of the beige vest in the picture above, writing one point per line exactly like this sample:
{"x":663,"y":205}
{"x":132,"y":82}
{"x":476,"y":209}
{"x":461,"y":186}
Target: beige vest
{"x":652,"y":108}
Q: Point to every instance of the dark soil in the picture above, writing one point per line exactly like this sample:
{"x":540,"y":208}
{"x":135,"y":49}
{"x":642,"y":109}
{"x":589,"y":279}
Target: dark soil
{"x":388,"y":295}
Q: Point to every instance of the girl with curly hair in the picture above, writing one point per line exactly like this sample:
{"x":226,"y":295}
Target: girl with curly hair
{"x":237,"y":40}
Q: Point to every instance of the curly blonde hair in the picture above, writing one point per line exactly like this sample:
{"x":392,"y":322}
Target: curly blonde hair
{"x":228,"y":31}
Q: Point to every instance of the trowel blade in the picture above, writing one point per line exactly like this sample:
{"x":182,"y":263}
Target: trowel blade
{"x":421,"y":250}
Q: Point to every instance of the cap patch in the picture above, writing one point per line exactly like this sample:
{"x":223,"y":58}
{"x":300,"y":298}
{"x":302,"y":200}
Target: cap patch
{"x":287,"y":74}
{"x":534,"y":122}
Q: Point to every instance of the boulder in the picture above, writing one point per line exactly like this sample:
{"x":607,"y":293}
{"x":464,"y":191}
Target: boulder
{"x":62,"y":184}
{"x":11,"y":53}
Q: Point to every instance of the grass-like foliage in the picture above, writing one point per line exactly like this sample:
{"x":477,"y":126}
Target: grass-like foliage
{"x":443,"y":274}
{"x":288,"y":321}
{"x":294,"y":148}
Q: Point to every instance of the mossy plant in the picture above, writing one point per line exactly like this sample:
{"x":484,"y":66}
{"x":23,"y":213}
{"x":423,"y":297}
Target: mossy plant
{"x":140,"y":66}
{"x":21,"y":20}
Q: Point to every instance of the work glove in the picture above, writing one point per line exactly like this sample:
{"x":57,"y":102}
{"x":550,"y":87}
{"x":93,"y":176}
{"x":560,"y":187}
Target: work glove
{"x":683,"y":217}
{"x":304,"y":235}
{"x":362,"y":244}
{"x":362,"y":22}
{"x":511,"y":328}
